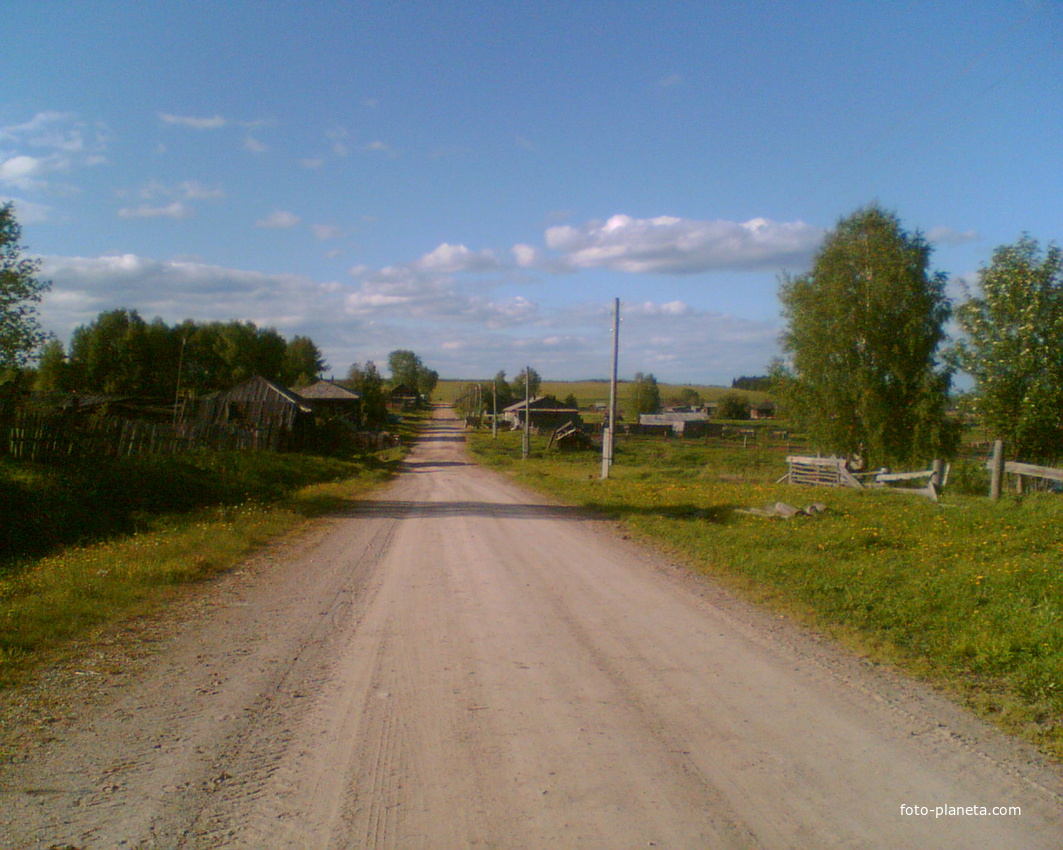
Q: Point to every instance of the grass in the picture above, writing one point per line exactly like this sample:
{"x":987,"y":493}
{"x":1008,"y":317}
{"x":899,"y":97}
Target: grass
{"x":966,"y":593}
{"x":85,"y":546}
{"x":588,"y":393}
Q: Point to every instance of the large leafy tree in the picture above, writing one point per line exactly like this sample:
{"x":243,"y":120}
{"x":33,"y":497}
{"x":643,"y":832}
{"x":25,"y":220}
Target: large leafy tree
{"x":112,"y":354}
{"x":1014,"y":347}
{"x":20,"y":292}
{"x":302,"y":363}
{"x":864,"y":330}
{"x":644,"y":397}
{"x":407,"y":368}
{"x":526,"y":378}
{"x":366,"y":381}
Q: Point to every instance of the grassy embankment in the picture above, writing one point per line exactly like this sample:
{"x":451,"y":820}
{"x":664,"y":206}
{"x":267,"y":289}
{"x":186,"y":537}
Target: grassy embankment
{"x":86,"y":544}
{"x":966,"y":593}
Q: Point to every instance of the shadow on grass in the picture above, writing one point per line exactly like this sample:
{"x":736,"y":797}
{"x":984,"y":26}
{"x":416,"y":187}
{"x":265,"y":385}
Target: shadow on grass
{"x":715,"y":514}
{"x":47,"y":506}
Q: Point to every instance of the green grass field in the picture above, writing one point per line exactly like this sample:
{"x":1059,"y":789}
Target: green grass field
{"x":965,"y":593}
{"x":590,"y":393}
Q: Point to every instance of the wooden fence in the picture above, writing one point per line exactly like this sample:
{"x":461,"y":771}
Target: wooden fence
{"x":28,"y":435}
{"x":999,"y":468}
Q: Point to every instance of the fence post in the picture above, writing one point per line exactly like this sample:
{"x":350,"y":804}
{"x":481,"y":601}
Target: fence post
{"x":996,"y":469}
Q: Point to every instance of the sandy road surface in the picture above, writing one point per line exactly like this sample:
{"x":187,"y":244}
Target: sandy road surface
{"x":459,"y":664}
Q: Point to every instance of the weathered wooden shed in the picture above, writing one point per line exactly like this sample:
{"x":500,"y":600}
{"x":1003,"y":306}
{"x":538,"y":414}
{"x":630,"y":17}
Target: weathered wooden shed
{"x":330,"y":400}
{"x":260,"y":415}
{"x":543,"y":412}
{"x":678,"y":424}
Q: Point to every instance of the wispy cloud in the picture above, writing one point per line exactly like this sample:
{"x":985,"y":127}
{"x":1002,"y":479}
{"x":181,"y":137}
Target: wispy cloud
{"x":254,"y":145}
{"x":327,"y":231}
{"x":193,"y":122}
{"x":175,"y":209}
{"x":188,"y":190}
{"x":281,"y":219}
{"x":950,"y":236}
{"x":379,"y":147}
{"x":49,"y":143}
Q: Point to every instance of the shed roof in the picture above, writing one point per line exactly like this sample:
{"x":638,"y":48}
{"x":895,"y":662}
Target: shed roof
{"x":670,"y":418}
{"x":327,"y":391}
{"x":540,"y":404}
{"x":258,"y":388}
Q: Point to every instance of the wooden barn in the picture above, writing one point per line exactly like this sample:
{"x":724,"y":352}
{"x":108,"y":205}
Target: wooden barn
{"x":543,"y":411}
{"x":259,"y":415}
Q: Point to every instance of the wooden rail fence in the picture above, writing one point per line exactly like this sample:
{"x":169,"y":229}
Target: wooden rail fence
{"x":998,"y":468}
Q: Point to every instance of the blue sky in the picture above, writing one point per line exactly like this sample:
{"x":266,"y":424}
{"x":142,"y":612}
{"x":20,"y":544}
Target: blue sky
{"x":477,"y":181}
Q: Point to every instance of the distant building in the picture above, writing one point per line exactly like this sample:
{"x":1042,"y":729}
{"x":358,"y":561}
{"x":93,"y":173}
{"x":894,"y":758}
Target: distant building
{"x":543,"y":411}
{"x":330,"y":400}
{"x":678,"y":424}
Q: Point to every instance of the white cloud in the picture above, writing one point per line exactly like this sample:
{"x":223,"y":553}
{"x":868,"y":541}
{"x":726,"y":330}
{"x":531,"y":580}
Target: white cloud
{"x":670,"y":81}
{"x":669,"y":245}
{"x":193,"y":190}
{"x":950,"y":236}
{"x":448,"y":259}
{"x":403,"y":306}
{"x":175,"y":290}
{"x":254,"y":145}
{"x":20,"y":170}
{"x":280,"y":219}
{"x":194,"y":123}
{"x":379,"y":147}
{"x":60,"y":142}
{"x":176,"y":209}
{"x":187,"y":190}
{"x":311,"y":163}
{"x":327,"y":231}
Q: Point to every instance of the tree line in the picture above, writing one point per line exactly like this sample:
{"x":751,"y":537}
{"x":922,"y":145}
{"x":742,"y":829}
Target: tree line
{"x":119,"y":353}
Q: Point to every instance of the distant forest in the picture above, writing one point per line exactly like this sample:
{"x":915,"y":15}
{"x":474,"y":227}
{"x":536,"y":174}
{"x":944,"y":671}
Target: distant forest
{"x":752,"y":382}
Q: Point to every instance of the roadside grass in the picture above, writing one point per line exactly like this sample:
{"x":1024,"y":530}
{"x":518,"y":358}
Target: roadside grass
{"x":86,"y":545}
{"x":966,"y":593}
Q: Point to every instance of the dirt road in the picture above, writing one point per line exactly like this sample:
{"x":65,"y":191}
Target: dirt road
{"x":459,"y":664}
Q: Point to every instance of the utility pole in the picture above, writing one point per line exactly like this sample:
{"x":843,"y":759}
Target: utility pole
{"x":609,"y":434}
{"x":525,"y":444}
{"x":494,"y":409}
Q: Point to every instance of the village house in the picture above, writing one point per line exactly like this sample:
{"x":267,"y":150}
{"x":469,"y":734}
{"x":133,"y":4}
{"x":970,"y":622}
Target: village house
{"x":330,"y":400}
{"x":544,"y":412}
{"x":678,"y":424}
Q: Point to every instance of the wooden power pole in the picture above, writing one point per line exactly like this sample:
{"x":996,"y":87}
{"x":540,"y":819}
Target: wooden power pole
{"x":609,"y":434}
